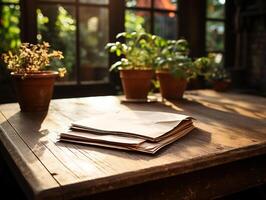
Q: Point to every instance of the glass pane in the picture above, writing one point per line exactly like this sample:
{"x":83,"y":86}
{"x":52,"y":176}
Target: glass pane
{"x":136,"y":20}
{"x":95,"y":1}
{"x":9,"y":27}
{"x":57,"y":25}
{"x":215,"y":36}
{"x":166,"y":4}
{"x":138,"y":3}
{"x":93,"y":37}
{"x":215,"y":8}
{"x":165,"y":25}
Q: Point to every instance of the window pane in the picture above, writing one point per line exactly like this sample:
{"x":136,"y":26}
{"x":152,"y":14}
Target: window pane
{"x":166,"y":25}
{"x":9,"y":27}
{"x":138,"y":3}
{"x":95,"y":1}
{"x":215,"y":36}
{"x":136,"y":20}
{"x":215,"y":8}
{"x":57,"y":25}
{"x":165,"y":4}
{"x":93,"y":37}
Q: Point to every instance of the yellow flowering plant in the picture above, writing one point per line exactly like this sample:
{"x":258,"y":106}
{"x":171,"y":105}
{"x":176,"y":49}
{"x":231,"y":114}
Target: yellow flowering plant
{"x":32,"y":58}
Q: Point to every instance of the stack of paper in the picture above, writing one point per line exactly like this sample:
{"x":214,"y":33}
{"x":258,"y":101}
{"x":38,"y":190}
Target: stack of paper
{"x":143,"y":131}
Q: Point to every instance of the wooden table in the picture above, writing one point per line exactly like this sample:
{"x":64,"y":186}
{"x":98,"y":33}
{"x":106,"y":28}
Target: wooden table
{"x":225,"y":154}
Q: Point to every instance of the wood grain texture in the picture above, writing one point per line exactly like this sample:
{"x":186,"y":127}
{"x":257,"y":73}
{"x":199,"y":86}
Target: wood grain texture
{"x":37,"y":181}
{"x":199,"y":185}
{"x":230,"y":127}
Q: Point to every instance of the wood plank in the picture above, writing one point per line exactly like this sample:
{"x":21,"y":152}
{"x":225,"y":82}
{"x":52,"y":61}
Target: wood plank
{"x":34,"y":178}
{"x":78,"y":167}
{"x":200,"y":185}
{"x":27,"y":127}
{"x":246,"y":105}
{"x":66,"y":166}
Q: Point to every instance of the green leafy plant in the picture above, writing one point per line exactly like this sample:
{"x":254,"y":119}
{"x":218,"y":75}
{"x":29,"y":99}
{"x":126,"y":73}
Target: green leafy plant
{"x":32,"y":58}
{"x":139,"y":50}
{"x":215,"y":71}
{"x":219,"y":73}
{"x":134,"y":22}
{"x":174,"y":58}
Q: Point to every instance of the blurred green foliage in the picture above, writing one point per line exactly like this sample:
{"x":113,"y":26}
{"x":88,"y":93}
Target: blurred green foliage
{"x":214,"y":36}
{"x":9,"y":27}
{"x":94,"y":36}
{"x":9,"y":32}
{"x":57,"y":26}
{"x":135,"y":22}
{"x":10,"y":1}
{"x":215,"y":9}
{"x":215,"y":29}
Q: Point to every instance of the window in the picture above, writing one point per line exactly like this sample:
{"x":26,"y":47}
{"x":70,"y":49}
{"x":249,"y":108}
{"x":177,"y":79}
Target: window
{"x":9,"y":24}
{"x":215,"y":28}
{"x":9,"y":30}
{"x":155,"y":16}
{"x":80,"y":30}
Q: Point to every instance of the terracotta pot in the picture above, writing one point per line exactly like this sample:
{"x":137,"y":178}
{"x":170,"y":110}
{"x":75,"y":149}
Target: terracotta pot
{"x":221,"y":86}
{"x":86,"y":73}
{"x":35,"y":90}
{"x":170,"y":86}
{"x":136,"y":83}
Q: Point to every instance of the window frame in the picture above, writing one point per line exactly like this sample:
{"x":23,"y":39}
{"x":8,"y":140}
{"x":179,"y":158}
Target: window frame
{"x":152,"y":10}
{"x":29,"y":27}
{"x":213,"y":19}
{"x":192,"y":21}
{"x":76,"y":6}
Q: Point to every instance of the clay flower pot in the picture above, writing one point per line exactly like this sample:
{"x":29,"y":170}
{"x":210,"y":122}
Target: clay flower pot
{"x":221,"y":85}
{"x":35,"y":90}
{"x":136,"y":83}
{"x":171,"y":87}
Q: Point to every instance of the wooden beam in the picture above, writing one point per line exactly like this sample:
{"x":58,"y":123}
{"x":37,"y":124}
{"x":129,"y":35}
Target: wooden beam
{"x":192,"y":24}
{"x":28,"y":21}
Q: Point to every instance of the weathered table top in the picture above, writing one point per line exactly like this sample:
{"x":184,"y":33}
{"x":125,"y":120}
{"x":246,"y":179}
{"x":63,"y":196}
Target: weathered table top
{"x":229,"y":127}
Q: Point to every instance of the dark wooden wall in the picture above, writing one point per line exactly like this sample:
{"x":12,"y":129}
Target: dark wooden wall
{"x":249,"y":24}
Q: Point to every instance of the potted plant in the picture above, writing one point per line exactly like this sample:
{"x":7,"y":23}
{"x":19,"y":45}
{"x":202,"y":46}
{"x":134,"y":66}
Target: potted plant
{"x":33,"y":83}
{"x":175,"y":68}
{"x":217,"y":75}
{"x":136,"y":67}
{"x":220,"y":79}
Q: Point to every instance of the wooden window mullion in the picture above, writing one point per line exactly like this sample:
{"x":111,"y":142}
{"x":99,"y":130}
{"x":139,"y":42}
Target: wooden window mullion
{"x":28,"y":21}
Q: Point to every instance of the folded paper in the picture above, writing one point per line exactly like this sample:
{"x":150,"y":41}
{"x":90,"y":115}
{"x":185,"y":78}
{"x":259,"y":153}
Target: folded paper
{"x":144,"y":131}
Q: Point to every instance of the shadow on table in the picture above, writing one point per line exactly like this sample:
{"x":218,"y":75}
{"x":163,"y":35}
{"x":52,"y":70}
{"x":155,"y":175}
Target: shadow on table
{"x":27,"y":126}
{"x":219,"y":115}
